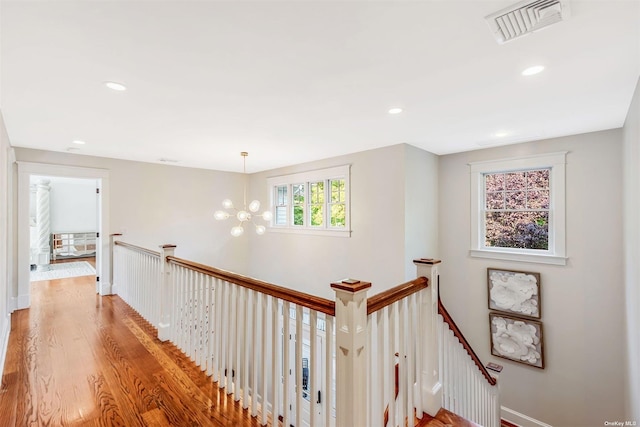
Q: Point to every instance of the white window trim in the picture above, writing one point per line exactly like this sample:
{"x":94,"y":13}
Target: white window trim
{"x":557,"y":211}
{"x":307,"y":177}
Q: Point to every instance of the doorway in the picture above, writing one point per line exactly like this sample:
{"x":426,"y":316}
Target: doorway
{"x":27,"y":170}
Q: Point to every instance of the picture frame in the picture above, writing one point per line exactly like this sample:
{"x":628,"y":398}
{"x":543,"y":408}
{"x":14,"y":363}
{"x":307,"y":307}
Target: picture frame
{"x":514,"y":292}
{"x":517,"y":339}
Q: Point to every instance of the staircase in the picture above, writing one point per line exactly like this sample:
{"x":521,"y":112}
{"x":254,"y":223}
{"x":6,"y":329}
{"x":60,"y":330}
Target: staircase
{"x":445,"y":418}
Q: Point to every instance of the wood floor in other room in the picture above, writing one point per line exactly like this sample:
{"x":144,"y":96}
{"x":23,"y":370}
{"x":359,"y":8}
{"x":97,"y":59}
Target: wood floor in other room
{"x":78,"y":359}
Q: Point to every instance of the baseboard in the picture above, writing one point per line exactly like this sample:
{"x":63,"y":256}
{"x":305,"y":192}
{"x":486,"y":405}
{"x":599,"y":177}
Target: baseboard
{"x":107,"y":289}
{"x":24,"y":301}
{"x":519,"y":419}
{"x":5,"y":330}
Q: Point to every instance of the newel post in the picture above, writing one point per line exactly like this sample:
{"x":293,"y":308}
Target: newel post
{"x":432,"y":387}
{"x":351,"y":359}
{"x":113,"y":238}
{"x":165,"y":292}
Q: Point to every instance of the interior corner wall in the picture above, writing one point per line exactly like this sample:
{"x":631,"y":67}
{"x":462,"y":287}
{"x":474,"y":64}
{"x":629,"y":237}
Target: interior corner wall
{"x":582,"y":303}
{"x":631,"y":143}
{"x":5,"y":248}
{"x":375,"y":251}
{"x":155,"y":204}
{"x":420,"y":207}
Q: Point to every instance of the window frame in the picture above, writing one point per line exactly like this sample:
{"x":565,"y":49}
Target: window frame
{"x":556,"y":252}
{"x":308,"y":178}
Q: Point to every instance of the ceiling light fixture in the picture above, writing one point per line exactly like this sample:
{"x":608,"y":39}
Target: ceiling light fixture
{"x":501,"y":134}
{"x":79,"y":142}
{"x":119,"y":87}
{"x":243,"y":215}
{"x":395,"y":110}
{"x":533,"y":70}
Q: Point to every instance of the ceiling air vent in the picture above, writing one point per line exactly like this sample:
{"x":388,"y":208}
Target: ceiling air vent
{"x":526,"y":17}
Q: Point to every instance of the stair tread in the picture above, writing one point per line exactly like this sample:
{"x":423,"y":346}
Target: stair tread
{"x":445,"y":418}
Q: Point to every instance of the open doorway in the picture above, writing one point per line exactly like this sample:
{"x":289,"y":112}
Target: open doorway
{"x":63,"y":227}
{"x":43,"y":253}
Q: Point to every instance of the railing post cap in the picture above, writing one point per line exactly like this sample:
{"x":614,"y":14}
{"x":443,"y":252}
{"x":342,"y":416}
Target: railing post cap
{"x":351,"y":285}
{"x":168,"y":246}
{"x":429,"y":261}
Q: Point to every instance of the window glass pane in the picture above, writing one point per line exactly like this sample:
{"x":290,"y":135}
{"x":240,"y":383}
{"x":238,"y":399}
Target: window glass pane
{"x":514,"y":180}
{"x":281,"y":195}
{"x":515,"y":200}
{"x":281,"y":215}
{"x":526,"y":230}
{"x":316,"y":208}
{"x":538,"y":179}
{"x":298,"y":194}
{"x":494,"y":181}
{"x":538,"y":199}
{"x":338,"y":215}
{"x":298,"y":215}
{"x":495,"y":200}
{"x":337,"y":190}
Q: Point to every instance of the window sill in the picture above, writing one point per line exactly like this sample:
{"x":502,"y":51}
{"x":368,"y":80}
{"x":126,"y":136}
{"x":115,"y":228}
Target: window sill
{"x":512,"y":256}
{"x":312,"y":232}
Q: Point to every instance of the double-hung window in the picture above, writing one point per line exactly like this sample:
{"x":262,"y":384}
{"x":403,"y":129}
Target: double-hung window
{"x":518,"y":209}
{"x":315,"y":202}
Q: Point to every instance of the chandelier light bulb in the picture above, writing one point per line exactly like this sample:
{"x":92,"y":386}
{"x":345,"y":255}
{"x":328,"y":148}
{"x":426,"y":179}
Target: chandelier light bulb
{"x":220,"y":215}
{"x":267,"y":215}
{"x":254,"y":206}
{"x":237,"y":231}
{"x":260,"y":229}
{"x":243,"y":216}
{"x":227,"y":204}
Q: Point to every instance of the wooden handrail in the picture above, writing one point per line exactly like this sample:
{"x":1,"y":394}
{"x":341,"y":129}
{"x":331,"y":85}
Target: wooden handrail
{"x":458,"y":334}
{"x":137,"y":248}
{"x":388,"y":297}
{"x":300,"y":298}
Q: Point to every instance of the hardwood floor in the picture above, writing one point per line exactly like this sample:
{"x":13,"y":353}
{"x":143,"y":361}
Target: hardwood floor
{"x":78,"y":359}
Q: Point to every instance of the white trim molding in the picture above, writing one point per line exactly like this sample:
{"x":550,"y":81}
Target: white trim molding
{"x":519,"y":419}
{"x":556,"y":254}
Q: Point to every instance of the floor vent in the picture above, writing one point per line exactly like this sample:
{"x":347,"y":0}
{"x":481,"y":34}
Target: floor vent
{"x":526,"y":17}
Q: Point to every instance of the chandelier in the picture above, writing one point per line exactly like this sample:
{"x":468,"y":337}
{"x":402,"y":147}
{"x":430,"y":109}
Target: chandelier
{"x":244,"y":215}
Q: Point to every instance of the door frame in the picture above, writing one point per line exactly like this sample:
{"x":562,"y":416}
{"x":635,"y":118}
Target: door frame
{"x":25,"y":169}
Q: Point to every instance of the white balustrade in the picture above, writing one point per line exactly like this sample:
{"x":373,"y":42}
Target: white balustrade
{"x":288,"y":361}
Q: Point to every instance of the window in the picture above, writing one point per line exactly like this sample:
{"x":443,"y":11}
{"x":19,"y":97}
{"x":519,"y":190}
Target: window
{"x":313,"y":202}
{"x":519,"y":209}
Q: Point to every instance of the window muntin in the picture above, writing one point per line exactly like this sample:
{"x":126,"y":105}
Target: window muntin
{"x":315,"y":202}
{"x":520,"y":192}
{"x":517,"y":209}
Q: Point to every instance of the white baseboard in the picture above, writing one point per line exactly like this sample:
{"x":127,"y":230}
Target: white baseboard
{"x":5,"y":330}
{"x":519,"y":419}
{"x":107,"y":289}
{"x":24,"y":301}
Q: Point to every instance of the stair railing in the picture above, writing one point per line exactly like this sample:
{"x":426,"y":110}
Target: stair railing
{"x":381,"y":361}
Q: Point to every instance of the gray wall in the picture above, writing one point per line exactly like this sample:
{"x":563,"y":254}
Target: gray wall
{"x":383,"y":238}
{"x":631,"y":141}
{"x":157,"y":204}
{"x":582,"y":302}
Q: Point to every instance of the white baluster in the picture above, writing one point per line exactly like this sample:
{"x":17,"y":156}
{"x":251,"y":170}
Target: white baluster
{"x":286,"y":336}
{"x":299,"y":334}
{"x":329,"y":369}
{"x":276,"y":350}
{"x":167,"y":303}
{"x":264,"y":316}
{"x":247,"y":345}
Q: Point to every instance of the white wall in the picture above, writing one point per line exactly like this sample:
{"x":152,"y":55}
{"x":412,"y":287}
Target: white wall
{"x":73,"y":205}
{"x":376,"y":250}
{"x":157,"y":204}
{"x":631,"y":142}
{"x":5,"y":247}
{"x":582,"y":303}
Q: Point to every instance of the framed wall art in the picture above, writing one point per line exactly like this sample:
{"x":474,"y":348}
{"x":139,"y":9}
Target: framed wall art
{"x":517,"y":339}
{"x":514,"y":292}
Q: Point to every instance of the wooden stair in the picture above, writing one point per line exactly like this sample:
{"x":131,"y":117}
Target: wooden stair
{"x":444,"y":418}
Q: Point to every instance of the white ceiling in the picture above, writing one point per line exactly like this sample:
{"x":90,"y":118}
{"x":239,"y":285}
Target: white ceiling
{"x":295,"y":81}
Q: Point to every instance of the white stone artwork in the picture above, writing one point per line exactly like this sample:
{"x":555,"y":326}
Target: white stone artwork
{"x":514,"y":292}
{"x":517,"y":339}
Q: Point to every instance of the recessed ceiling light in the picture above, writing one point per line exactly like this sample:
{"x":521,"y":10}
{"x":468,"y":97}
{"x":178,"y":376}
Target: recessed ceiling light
{"x":501,"y":134}
{"x":533,"y":70}
{"x":395,"y":110}
{"x":115,"y":86}
{"x":165,"y":160}
{"x":79,"y":142}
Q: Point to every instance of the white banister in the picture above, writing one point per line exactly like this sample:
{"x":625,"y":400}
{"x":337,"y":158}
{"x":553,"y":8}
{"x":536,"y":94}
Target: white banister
{"x":351,"y":339}
{"x":432,"y":396}
{"x":166,"y":300}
